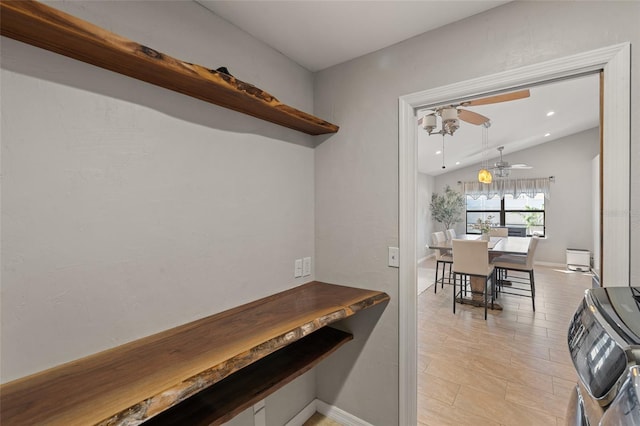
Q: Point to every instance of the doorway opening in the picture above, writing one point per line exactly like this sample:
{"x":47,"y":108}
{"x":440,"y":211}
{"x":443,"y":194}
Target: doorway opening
{"x":614,"y":61}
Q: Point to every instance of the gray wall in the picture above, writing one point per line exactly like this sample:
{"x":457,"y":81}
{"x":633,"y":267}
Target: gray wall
{"x":569,"y":208}
{"x":128,"y":209}
{"x":357,"y":170}
{"x":141,"y":208}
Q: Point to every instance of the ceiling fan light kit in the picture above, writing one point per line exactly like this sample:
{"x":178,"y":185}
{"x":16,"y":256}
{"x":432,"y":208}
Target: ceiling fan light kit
{"x":501,"y":173}
{"x":429,"y":123}
{"x":503,"y":168}
{"x":451,"y":115}
{"x":450,"y":122}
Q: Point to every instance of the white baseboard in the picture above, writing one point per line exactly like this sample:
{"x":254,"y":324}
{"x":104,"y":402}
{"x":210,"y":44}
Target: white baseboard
{"x":551,"y":264}
{"x":334,"y":413}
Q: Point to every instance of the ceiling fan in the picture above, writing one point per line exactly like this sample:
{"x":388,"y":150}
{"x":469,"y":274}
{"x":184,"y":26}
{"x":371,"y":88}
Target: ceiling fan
{"x":451,"y":115}
{"x":503,"y":168}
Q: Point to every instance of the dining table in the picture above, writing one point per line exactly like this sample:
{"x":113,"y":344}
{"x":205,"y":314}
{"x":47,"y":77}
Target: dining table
{"x":497,"y":246}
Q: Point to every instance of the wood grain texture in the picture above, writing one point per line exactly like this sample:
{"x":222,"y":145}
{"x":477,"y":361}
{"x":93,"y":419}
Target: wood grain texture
{"x":48,"y":28}
{"x":140,"y":379}
{"x":228,"y":398}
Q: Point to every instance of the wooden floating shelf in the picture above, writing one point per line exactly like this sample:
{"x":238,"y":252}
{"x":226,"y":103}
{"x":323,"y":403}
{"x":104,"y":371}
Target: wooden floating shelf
{"x":228,"y":398}
{"x":48,"y":28}
{"x":141,"y":379}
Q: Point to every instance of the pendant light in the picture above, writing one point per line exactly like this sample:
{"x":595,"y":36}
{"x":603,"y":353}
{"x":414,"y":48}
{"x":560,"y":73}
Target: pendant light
{"x":484,"y":175}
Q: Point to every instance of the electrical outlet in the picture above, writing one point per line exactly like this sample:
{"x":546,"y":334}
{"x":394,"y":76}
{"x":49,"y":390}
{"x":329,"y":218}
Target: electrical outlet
{"x":394,"y":257}
{"x":306,"y":266}
{"x":297,"y":268}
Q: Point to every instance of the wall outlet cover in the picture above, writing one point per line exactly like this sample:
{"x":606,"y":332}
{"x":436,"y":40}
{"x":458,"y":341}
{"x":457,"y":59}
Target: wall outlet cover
{"x":297,"y":268}
{"x":306,"y":266}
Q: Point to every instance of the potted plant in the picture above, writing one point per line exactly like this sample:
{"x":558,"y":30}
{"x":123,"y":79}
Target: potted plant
{"x":447,"y":208}
{"x":532,"y":220}
{"x":484,"y":226}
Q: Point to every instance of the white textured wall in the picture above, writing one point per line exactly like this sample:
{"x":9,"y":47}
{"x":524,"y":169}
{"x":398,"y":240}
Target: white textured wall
{"x":356,"y":180}
{"x":425,"y":225}
{"x":127,"y":208}
{"x":595,"y":213}
{"x":357,"y":170}
{"x":568,"y":210}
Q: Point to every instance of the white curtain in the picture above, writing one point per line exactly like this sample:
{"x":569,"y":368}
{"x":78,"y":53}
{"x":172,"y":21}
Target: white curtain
{"x":502,"y":187}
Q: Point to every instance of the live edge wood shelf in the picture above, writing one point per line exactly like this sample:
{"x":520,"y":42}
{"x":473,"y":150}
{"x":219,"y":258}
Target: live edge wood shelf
{"x":48,"y":28}
{"x":203,"y":372}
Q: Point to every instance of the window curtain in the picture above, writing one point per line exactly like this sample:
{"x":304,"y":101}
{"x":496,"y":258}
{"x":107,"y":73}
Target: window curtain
{"x":502,"y":187}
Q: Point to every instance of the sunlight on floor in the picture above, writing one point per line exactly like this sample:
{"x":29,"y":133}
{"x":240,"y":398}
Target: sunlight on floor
{"x":514,"y":368}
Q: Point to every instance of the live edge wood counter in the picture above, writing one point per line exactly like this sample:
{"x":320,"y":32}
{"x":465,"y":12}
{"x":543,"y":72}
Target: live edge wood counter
{"x":134,"y":382}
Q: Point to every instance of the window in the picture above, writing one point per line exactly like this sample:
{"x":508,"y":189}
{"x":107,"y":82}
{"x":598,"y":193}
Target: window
{"x":521,"y":212}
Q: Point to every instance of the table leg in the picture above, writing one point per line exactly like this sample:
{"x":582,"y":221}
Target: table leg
{"x":477,"y":295}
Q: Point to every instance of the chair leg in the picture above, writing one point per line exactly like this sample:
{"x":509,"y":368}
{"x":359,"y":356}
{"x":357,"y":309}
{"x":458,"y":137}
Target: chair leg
{"x":494,"y":289}
{"x":463,"y":285}
{"x":486,"y":291}
{"x":533,"y":289}
{"x":435,"y":283}
{"x":454,"y":292}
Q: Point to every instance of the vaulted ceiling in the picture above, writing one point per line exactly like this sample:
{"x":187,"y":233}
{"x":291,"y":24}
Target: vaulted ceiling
{"x":320,"y":34}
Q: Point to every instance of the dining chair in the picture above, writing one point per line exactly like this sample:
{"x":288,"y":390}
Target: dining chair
{"x":471,"y":259}
{"x":451,"y":234}
{"x":443,"y":258}
{"x":499,"y":232}
{"x":520,"y":285}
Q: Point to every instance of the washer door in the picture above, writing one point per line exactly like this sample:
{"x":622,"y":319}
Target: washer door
{"x":625,"y":408}
{"x":598,"y":358}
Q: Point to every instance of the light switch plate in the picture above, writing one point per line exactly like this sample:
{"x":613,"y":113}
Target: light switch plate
{"x":297,"y":268}
{"x":394,"y":257}
{"x":306,"y":266}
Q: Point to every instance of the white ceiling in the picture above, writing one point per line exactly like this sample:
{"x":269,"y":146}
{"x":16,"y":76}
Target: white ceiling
{"x":516,"y":125}
{"x":319,"y":34}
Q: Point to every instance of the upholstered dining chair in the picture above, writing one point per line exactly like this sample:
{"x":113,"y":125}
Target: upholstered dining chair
{"x":443,"y":258}
{"x":499,"y":232}
{"x":520,"y":285}
{"x":471,"y":258}
{"x":451,"y":234}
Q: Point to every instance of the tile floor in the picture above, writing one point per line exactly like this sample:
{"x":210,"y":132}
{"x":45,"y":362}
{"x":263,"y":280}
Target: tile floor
{"x":319,"y":420}
{"x":513,"y":369}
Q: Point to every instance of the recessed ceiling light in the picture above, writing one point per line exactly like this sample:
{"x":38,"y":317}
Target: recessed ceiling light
{"x":457,"y":163}
{"x":438,"y":152}
{"x":547,"y":135}
{"x":550,"y":113}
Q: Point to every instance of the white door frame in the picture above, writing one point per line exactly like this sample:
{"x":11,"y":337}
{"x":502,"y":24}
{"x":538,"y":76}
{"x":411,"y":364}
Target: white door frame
{"x":616,"y":63}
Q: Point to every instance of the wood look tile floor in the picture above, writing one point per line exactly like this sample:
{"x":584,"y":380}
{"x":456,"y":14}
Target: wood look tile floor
{"x":512,"y":369}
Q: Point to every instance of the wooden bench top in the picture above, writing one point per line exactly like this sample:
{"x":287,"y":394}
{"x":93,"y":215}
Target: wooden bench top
{"x":142,"y":378}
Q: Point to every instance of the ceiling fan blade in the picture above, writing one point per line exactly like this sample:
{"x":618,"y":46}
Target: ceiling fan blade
{"x":521,"y":166}
{"x":498,"y":98}
{"x":472,"y":117}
